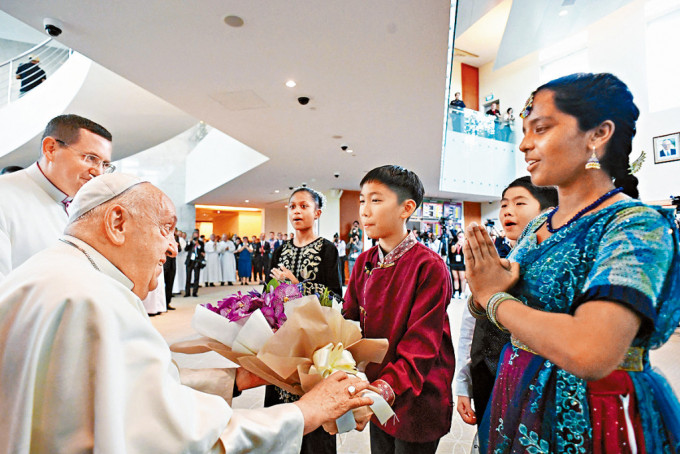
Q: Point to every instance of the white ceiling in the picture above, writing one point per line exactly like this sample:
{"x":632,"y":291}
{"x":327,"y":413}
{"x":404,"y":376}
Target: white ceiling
{"x":483,"y":37}
{"x":14,"y":30}
{"x":137,"y":119}
{"x":375,"y":72}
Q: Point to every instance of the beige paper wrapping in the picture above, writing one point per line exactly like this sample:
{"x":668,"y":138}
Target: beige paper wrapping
{"x":284,"y":360}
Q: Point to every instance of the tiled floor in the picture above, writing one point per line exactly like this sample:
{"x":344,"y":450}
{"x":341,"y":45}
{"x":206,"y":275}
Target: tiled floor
{"x":176,"y":326}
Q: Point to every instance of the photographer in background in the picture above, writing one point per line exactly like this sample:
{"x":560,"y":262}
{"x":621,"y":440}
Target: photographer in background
{"x":354,"y":248}
{"x":498,"y":237}
{"x":356,"y":233}
{"x":194,"y":263}
{"x":446,"y":238}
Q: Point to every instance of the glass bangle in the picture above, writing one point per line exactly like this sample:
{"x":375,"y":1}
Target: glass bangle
{"x":476,"y":311}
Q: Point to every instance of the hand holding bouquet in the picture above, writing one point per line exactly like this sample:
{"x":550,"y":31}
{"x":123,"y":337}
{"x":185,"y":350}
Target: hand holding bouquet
{"x":309,"y":344}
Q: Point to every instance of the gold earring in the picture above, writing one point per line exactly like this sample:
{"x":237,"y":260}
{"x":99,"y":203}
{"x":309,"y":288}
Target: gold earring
{"x":593,"y":162}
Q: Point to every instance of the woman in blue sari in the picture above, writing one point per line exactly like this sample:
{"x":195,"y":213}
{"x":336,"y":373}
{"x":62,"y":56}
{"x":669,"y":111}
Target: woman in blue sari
{"x":591,"y":287}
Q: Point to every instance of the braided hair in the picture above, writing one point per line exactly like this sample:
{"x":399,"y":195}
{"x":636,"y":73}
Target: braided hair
{"x":319,"y":198}
{"x":593,"y":99}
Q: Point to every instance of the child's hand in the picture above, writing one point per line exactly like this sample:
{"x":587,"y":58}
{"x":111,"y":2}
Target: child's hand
{"x":246,"y":380}
{"x":282,"y":274}
{"x":362,"y":418}
{"x":465,"y":410}
{"x":485,"y":271}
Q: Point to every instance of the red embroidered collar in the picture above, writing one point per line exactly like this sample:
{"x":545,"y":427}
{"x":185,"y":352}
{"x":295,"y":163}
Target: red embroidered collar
{"x":401,"y":249}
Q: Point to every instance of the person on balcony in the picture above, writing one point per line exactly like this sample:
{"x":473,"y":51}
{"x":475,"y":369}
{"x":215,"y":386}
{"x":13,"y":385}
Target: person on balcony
{"x":457,"y":102}
{"x":456,"y":110}
{"x":494,"y":111}
{"x":508,"y":128}
{"x":35,"y":200}
{"x":30,"y":74}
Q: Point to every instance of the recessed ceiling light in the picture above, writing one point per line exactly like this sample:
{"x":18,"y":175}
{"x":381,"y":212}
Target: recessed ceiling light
{"x":349,"y":150}
{"x":290,"y":83}
{"x":247,"y":201}
{"x":276,"y":191}
{"x":563,"y":12}
{"x":233,"y":21}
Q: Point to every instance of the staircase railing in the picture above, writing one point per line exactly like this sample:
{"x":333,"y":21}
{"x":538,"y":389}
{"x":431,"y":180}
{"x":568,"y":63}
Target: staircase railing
{"x":50,"y":58}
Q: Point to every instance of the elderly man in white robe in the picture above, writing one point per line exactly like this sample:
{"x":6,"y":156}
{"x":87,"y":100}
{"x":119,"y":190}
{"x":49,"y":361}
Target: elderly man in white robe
{"x":226,"y":248}
{"x":33,"y":201}
{"x":213,"y":272}
{"x":82,"y":369}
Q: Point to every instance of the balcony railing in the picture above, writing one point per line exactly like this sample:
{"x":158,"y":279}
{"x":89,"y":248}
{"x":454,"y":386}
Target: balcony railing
{"x":478,"y":124}
{"x":51,"y":56}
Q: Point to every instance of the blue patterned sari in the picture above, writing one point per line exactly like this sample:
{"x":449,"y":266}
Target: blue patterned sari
{"x":625,"y":253}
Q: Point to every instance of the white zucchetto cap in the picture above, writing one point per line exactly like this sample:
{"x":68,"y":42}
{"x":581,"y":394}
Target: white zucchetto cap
{"x":99,"y":190}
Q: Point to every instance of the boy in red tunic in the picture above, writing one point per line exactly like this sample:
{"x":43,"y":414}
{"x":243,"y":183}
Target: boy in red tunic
{"x":399,"y":290}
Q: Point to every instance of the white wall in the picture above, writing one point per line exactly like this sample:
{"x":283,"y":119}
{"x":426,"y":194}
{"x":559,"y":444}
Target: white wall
{"x":491,"y":210}
{"x":163,"y":166}
{"x":227,"y":157}
{"x":456,"y":78}
{"x":329,"y":222}
{"x":616,"y":44}
{"x":275,"y":220}
{"x":10,"y":49}
{"x":476,"y":166}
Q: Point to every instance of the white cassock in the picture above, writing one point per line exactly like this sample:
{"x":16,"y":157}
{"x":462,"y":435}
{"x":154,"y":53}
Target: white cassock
{"x":32,"y":216}
{"x":227,"y":260}
{"x":212,"y":263}
{"x":154,"y":302}
{"x":83,"y":370}
{"x":181,"y":269}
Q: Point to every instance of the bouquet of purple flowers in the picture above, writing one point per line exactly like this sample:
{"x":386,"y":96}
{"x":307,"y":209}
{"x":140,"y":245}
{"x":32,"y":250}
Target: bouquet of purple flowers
{"x":244,"y":322}
{"x":240,"y":306}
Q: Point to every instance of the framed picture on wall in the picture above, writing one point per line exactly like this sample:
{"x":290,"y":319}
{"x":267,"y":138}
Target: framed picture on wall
{"x":666,"y":148}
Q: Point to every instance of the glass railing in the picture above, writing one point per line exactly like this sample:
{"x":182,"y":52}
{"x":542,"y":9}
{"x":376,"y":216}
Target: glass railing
{"x":478,"y":124}
{"x":21,"y":74}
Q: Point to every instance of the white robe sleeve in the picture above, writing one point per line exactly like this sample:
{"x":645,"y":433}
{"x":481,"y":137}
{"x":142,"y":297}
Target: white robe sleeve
{"x":276,"y":429}
{"x":463,"y":362}
{"x":5,"y":250}
{"x":105,"y":381}
{"x":217,"y":381}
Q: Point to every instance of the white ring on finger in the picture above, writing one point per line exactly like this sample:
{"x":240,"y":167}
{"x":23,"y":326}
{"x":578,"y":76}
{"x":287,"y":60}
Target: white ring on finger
{"x":351,"y":390}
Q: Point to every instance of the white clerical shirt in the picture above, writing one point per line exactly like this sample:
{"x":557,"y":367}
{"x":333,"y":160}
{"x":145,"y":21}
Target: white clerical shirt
{"x":82,"y":369}
{"x":32,"y":216}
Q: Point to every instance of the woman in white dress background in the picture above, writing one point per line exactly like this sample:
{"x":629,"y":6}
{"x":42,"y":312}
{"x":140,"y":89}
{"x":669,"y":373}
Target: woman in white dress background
{"x":226,"y":248}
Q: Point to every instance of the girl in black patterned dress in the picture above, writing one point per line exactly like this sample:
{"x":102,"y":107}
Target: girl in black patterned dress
{"x":312,"y":261}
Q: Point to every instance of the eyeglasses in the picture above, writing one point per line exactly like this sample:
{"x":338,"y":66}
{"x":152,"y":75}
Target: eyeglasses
{"x":91,"y":160}
{"x":166,"y":229}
